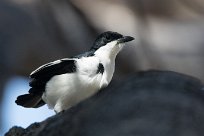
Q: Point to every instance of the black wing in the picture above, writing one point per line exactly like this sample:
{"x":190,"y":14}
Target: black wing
{"x":39,"y":79}
{"x":54,"y":68}
{"x":44,"y":73}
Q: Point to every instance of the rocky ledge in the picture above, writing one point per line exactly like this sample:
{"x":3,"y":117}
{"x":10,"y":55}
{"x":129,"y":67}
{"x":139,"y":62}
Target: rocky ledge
{"x":156,"y":103}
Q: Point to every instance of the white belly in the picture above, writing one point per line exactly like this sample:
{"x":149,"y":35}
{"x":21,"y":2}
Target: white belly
{"x":64,"y":91}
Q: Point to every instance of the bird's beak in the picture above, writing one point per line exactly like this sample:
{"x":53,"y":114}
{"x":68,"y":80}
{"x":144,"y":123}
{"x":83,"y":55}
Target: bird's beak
{"x":125,"y":39}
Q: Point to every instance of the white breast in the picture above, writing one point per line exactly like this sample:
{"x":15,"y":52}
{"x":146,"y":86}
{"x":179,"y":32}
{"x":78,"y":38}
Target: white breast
{"x":66,"y":90}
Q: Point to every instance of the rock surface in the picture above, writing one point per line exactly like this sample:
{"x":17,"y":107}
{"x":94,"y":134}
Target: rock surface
{"x":156,"y":103}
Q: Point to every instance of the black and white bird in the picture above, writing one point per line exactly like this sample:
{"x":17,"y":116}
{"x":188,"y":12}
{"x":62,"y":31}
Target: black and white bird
{"x":63,"y":83}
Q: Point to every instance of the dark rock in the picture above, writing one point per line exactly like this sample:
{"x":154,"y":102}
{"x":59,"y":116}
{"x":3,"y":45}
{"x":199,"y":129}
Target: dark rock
{"x":152,"y":103}
{"x":16,"y":131}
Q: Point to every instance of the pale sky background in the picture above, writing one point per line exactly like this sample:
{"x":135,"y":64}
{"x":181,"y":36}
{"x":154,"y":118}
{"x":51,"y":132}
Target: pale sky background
{"x":14,"y":115}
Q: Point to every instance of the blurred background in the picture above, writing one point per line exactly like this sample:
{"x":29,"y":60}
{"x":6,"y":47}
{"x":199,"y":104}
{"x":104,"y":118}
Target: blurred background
{"x":169,"y":35}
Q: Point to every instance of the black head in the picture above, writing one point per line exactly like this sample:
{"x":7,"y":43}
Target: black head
{"x":109,"y":36}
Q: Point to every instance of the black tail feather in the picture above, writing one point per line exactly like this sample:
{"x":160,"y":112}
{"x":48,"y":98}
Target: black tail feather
{"x":30,"y":100}
{"x":35,"y":91}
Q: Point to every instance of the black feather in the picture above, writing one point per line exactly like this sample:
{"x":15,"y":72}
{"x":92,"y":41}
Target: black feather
{"x":100,"y":68}
{"x":51,"y":69}
{"x":105,"y":38}
{"x":29,"y":100}
{"x":86,"y":54}
{"x":100,"y":41}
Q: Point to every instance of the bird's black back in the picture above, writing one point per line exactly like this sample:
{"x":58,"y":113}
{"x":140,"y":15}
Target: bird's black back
{"x":86,"y":54}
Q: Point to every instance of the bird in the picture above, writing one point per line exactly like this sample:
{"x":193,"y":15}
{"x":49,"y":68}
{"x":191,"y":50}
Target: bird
{"x":66,"y":82}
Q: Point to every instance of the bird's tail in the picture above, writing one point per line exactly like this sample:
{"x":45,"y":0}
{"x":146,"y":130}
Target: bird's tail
{"x":30,"y":100}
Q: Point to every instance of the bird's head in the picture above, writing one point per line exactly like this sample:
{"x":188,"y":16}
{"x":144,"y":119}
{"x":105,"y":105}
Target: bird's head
{"x":110,"y":42}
